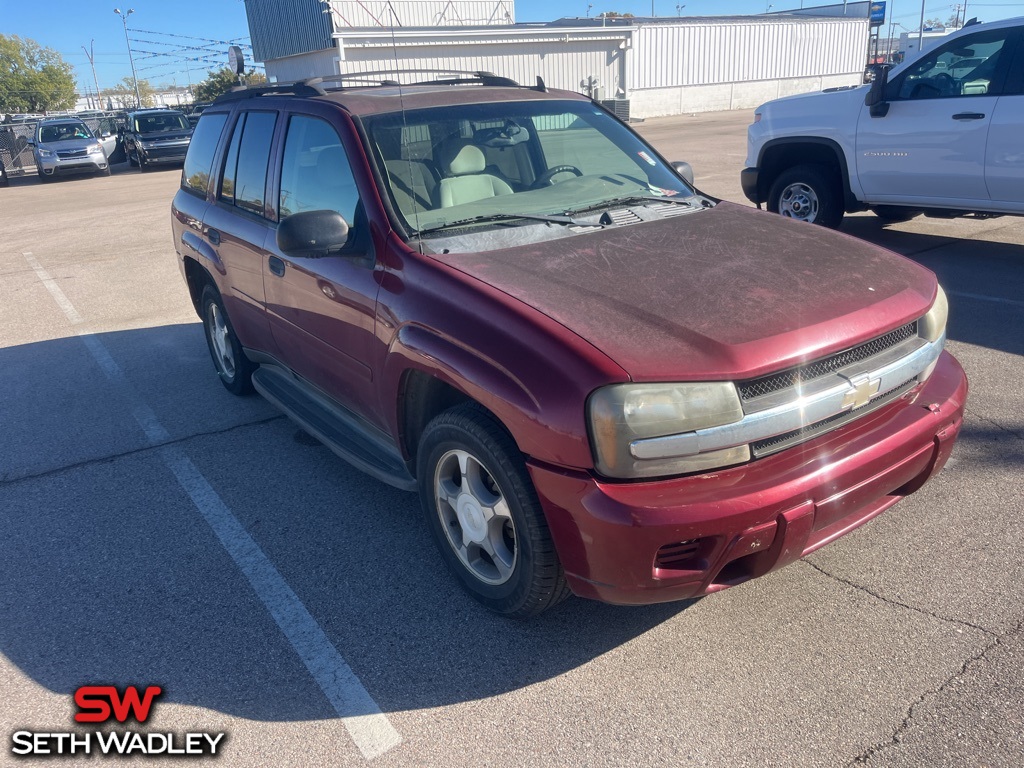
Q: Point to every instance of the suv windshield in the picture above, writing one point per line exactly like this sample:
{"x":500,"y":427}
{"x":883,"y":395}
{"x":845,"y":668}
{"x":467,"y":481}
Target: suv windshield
{"x":161,"y":123}
{"x":62,"y":132}
{"x":480,"y":162}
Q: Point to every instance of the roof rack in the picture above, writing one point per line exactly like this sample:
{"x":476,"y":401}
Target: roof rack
{"x":314,"y":86}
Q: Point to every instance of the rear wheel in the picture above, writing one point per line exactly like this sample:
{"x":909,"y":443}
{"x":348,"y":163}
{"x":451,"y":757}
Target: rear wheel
{"x":233,"y":367}
{"x":810,"y":193}
{"x":485,"y":516}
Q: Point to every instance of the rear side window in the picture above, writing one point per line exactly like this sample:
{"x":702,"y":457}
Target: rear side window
{"x":245,"y":168}
{"x":195,"y":177}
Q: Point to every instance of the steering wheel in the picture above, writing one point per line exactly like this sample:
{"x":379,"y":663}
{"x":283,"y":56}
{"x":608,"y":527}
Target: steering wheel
{"x":945,"y":82}
{"x":544,"y":180}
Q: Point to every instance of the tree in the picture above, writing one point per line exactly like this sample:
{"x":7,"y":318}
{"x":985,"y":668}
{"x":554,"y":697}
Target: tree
{"x":223,"y":80}
{"x":934,"y":24}
{"x":122,"y":95}
{"x":33,"y":78}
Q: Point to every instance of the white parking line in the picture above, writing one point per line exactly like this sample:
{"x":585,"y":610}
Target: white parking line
{"x":982,"y":297}
{"x":370,"y":729}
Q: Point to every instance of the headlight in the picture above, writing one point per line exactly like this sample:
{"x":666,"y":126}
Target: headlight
{"x":95,"y":149}
{"x":933,"y":326}
{"x":46,"y":153}
{"x":623,"y":418}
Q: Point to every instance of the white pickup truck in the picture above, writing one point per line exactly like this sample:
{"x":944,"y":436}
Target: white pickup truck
{"x":941,"y":134}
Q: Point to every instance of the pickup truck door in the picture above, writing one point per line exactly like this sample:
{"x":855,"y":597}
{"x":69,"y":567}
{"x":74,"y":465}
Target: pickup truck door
{"x":1004,"y":158}
{"x":930,"y":149}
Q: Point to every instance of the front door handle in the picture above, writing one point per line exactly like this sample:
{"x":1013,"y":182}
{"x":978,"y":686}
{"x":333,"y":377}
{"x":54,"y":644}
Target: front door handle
{"x":213,"y":236}
{"x":969,"y":116}
{"x":276,"y":266}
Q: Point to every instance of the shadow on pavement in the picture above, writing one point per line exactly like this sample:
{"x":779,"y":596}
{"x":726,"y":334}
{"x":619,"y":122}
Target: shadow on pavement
{"x":110,"y":574}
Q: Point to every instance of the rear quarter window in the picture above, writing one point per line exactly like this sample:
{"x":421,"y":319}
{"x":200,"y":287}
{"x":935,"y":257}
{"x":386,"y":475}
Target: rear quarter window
{"x":195,"y":177}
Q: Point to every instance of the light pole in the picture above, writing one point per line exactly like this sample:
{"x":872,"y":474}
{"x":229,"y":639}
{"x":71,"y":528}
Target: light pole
{"x":91,"y":55}
{"x":135,"y":77}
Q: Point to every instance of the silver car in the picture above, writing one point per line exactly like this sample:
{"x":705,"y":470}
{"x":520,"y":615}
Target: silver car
{"x":65,"y":146}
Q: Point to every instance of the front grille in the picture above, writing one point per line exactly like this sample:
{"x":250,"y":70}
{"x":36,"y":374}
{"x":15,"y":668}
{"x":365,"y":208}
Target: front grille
{"x":767,"y":385}
{"x":71,"y":153}
{"x":780,"y":442}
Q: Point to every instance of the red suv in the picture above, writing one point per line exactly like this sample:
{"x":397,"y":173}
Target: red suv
{"x":598,"y":379}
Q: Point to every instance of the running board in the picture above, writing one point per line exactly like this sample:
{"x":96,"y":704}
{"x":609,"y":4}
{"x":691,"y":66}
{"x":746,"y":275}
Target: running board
{"x":333,"y":425}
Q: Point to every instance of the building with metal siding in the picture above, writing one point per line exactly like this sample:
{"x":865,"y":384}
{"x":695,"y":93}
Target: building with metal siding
{"x":662,"y":66}
{"x":281,"y":28}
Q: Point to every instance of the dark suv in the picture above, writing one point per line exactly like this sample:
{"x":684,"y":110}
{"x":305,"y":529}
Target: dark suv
{"x":156,"y":137}
{"x":597,"y":378}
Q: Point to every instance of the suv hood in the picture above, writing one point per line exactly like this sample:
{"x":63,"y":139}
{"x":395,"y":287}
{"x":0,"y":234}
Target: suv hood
{"x":725,"y":293}
{"x":66,"y":144}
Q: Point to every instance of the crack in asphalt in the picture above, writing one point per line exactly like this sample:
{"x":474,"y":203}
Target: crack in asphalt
{"x":997,"y":425}
{"x":905,"y":724}
{"x":7,"y":481}
{"x":889,"y":600}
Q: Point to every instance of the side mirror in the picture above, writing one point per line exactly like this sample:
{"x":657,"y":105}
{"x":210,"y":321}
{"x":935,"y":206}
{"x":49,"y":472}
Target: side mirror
{"x":105,"y":135}
{"x":312,"y":233}
{"x":875,"y":98}
{"x":685,"y":170}
{"x":30,"y":143}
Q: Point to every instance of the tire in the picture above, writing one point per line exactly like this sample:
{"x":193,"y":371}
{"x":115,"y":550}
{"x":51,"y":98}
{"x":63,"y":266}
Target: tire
{"x":811,"y":193}
{"x":105,"y":171}
{"x":487,"y":520}
{"x":144,"y":167}
{"x":44,"y":178}
{"x":893,"y":214}
{"x":233,"y":367}
{"x":132,"y":162}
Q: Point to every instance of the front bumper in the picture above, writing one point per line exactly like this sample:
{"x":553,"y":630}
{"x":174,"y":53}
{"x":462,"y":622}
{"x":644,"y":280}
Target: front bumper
{"x":68,"y":167}
{"x":648,"y":542}
{"x":157,"y":155}
{"x":748,"y":181}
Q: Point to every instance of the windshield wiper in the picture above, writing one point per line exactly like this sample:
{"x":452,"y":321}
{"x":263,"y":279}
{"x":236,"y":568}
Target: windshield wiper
{"x":632,"y":200}
{"x":554,"y":219}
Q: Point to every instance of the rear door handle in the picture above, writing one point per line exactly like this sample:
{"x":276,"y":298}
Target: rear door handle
{"x":213,"y":236}
{"x":969,"y":116}
{"x":276,"y":266}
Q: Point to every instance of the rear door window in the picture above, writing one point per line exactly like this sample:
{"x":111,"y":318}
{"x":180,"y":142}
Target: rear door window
{"x":244,"y":179}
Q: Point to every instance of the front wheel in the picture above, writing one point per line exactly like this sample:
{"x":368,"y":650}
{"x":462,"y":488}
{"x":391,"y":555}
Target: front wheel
{"x":485,"y":516}
{"x":810,"y":193}
{"x":233,"y":367}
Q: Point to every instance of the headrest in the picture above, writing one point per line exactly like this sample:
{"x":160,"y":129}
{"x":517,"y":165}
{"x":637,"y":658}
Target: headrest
{"x":469,"y":159}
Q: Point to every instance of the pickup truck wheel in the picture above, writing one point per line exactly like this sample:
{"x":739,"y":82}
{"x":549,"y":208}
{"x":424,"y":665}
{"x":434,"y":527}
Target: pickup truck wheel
{"x":485,"y":516}
{"x":233,"y":367}
{"x":808,"y":193}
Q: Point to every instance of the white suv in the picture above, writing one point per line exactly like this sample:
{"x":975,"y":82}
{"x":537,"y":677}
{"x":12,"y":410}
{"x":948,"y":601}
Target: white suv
{"x":940,"y":134}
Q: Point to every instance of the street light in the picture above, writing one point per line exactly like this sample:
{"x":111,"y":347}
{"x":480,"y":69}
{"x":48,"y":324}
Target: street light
{"x":135,"y":77}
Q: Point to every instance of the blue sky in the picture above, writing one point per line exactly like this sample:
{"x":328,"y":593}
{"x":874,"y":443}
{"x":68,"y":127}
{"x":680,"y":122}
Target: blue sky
{"x":68,"y":26}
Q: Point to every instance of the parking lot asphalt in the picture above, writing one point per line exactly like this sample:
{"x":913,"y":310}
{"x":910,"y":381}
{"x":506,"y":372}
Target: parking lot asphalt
{"x":155,"y":530}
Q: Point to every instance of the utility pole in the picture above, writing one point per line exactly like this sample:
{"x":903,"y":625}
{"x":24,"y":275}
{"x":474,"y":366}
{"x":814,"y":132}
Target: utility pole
{"x":920,"y":29}
{"x":91,"y":55}
{"x":135,"y":77}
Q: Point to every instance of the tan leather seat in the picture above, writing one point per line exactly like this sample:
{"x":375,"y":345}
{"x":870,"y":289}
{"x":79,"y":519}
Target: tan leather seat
{"x":467,"y":182}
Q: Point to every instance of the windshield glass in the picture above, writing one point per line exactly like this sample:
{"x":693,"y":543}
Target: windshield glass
{"x":63,"y":132}
{"x":473,"y":161}
{"x":161,"y":123}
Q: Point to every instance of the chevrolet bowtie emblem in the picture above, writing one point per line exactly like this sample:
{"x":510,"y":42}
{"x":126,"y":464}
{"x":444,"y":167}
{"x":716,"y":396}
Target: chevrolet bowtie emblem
{"x":861,"y":392}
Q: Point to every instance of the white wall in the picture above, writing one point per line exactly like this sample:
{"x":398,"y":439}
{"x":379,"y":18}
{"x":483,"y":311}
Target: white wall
{"x":690,"y":99}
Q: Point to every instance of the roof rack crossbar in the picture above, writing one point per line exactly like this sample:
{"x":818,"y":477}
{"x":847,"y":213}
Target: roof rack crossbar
{"x":303,"y":88}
